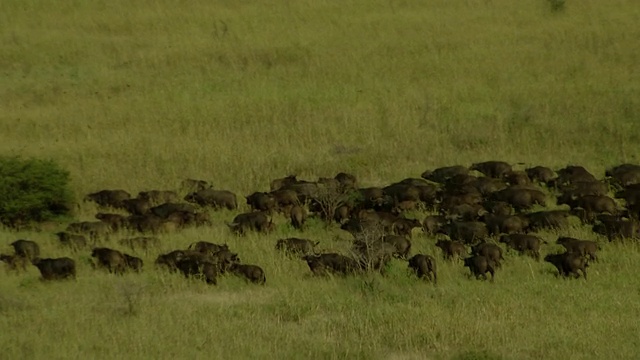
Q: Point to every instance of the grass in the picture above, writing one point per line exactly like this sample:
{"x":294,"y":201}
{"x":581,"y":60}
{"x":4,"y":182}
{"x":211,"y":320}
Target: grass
{"x":140,"y":95}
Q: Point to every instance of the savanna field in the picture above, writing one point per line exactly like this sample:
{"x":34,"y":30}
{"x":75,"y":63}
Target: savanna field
{"x":142,"y":95}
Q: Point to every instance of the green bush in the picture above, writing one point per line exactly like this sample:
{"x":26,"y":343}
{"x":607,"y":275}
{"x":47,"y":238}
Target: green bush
{"x":32,"y":190}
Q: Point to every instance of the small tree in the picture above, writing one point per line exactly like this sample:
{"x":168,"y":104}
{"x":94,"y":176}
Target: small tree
{"x":32,"y":190}
{"x":328,"y":198}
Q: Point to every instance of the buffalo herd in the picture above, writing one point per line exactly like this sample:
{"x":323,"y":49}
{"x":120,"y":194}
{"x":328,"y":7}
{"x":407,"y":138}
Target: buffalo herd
{"x":476,"y":214}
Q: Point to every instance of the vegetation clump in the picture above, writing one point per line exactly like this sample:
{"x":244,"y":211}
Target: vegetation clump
{"x":32,"y":190}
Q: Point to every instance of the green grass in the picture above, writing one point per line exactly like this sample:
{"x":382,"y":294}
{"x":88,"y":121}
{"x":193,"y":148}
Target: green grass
{"x":140,"y":95}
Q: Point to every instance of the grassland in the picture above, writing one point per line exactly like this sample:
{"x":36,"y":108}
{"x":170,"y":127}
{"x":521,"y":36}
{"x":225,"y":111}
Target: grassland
{"x":140,"y":95}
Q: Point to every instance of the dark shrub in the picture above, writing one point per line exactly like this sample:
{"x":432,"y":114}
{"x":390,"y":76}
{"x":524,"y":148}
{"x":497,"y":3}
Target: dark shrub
{"x":32,"y":190}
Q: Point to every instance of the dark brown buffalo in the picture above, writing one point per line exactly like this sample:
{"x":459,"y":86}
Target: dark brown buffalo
{"x":305,"y":190}
{"x":332,"y":263}
{"x":517,"y":178}
{"x":404,"y":227}
{"x":619,"y":169}
{"x":347,"y":181}
{"x":493,"y":169}
{"x":183,"y":219}
{"x":401,"y":244}
{"x":590,"y":203}
{"x":171,"y":259}
{"x":112,"y":198}
{"x":572,"y":174}
{"x":57,"y":268}
{"x":399,"y":207}
{"x":133,"y":263}
{"x":451,"y":249}
{"x":424,"y":267}
{"x":298,"y":216}
{"x":206,"y":247}
{"x":441,"y":175}
{"x":499,"y":208}
{"x":479,"y":266}
{"x":489,"y":250}
{"x":194,"y":268}
{"x":486,"y":185}
{"x":193,"y":185}
{"x":149,"y":224}
{"x":341,"y":213}
{"x":137,"y":206}
{"x":140,"y":242}
{"x":468,"y":232}
{"x":433,"y":223}
{"x":112,"y":260}
{"x":569,"y":264}
{"x":520,"y":198}
{"x":583,"y":188}
{"x":157,"y":197}
{"x":402,"y":192}
{"x":224,"y":258}
{"x":464,"y":212}
{"x":585,"y":248}
{"x":26,"y":248}
{"x":285,"y":199}
{"x":553,"y":219}
{"x":451,"y":200}
{"x":509,"y":224}
{"x":163,"y":211}
{"x":94,"y":229}
{"x":372,"y":197}
{"x":296,"y":246}
{"x":73,"y":241}
{"x":14,"y":262}
{"x":524,"y":244}
{"x":115,"y":221}
{"x":541,"y":174}
{"x":624,"y":175}
{"x":618,"y":229}
{"x":383,"y":219}
{"x":252,"y":273}
{"x":278,"y":184}
{"x":258,"y":221}
{"x":261,"y":201}
{"x":217,"y":199}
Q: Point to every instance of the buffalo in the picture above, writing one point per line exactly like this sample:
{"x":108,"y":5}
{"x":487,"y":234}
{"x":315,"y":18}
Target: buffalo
{"x":26,"y":248}
{"x":108,"y":198}
{"x":296,"y":246}
{"x":218,"y":199}
{"x":569,"y":264}
{"x":258,"y":221}
{"x":252,"y":273}
{"x":194,"y":268}
{"x":479,"y":266}
{"x":298,"y":216}
{"x":133,"y":263}
{"x":451,"y":249}
{"x":585,"y":248}
{"x":112,"y":260}
{"x":73,"y":241}
{"x":332,"y":263}
{"x":490,"y":251}
{"x":55,"y":269}
{"x":206,"y":247}
{"x":14,"y":262}
{"x":524,"y":243}
{"x":493,"y":169}
{"x":424,"y":267}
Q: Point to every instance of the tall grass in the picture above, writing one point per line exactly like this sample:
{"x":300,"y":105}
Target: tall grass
{"x":140,"y":95}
